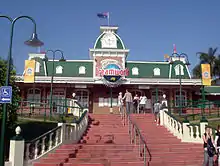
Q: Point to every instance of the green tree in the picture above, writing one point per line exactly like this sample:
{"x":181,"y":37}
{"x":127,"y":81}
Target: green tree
{"x":12,"y":108}
{"x":211,"y":58}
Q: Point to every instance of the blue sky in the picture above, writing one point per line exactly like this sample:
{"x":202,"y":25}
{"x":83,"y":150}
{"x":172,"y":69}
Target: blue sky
{"x":148,"y":28}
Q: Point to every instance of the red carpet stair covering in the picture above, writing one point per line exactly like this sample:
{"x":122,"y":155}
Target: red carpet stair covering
{"x":166,"y":149}
{"x":107,"y":143}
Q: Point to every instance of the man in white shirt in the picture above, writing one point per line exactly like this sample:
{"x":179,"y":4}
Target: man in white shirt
{"x":143,"y":102}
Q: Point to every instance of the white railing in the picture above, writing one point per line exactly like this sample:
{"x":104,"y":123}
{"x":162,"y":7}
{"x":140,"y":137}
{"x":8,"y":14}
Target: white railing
{"x":35,"y":149}
{"x":64,"y":133}
{"x":184,"y":131}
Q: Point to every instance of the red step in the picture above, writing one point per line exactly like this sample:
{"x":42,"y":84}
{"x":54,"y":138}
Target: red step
{"x":85,"y":164}
{"x":46,"y":164}
{"x":165,"y":149}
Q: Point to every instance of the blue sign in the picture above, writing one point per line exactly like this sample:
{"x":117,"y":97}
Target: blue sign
{"x":5,"y":94}
{"x":112,"y":76}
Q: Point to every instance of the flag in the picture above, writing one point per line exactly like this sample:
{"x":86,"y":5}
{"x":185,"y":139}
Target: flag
{"x":206,"y":76}
{"x":174,"y":49}
{"x":103,"y":15}
{"x":29,"y":71}
{"x":166,"y":57}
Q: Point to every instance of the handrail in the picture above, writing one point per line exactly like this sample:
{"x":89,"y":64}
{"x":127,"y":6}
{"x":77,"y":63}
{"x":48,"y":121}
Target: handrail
{"x":142,"y":139}
{"x":142,"y":152}
{"x":43,"y":135}
{"x":64,"y":133}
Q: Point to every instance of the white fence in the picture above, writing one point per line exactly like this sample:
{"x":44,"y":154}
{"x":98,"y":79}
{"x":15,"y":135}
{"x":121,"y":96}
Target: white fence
{"x":184,"y":131}
{"x":23,"y":154}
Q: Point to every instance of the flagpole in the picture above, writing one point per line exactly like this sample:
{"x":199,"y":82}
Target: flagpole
{"x":108,"y":18}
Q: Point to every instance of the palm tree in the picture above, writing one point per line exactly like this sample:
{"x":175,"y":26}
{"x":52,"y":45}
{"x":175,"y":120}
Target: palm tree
{"x":217,"y":67}
{"x":209,"y":58}
{"x":197,"y":71}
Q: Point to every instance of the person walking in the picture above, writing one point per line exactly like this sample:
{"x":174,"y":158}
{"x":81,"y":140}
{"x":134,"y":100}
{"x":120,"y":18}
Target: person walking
{"x":217,"y":144}
{"x":209,"y":148}
{"x":143,"y":102}
{"x":120,"y":103}
{"x":136,"y":104}
{"x":128,"y":101}
{"x":157,"y":107}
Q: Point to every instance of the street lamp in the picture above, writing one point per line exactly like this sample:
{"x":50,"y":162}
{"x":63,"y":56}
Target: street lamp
{"x":34,"y":42}
{"x":51,"y":83}
{"x":180,"y":78}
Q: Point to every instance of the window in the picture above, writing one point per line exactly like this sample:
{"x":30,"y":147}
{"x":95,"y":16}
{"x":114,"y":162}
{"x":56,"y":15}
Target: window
{"x":106,"y":102}
{"x":179,"y":68}
{"x":34,"y":95}
{"x":82,"y":97}
{"x":82,"y":70}
{"x":135,"y":71}
{"x":37,"y":67}
{"x":183,"y":98}
{"x":156,"y":71}
{"x":59,"y":70}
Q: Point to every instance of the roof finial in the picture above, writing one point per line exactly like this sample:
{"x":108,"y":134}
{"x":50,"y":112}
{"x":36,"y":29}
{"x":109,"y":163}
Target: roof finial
{"x":174,"y":49}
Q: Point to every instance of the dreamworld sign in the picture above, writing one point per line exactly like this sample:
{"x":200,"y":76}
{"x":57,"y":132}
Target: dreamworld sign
{"x":112,"y":72}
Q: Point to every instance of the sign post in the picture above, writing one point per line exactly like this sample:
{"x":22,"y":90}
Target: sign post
{"x":5,"y":94}
{"x":206,"y":81}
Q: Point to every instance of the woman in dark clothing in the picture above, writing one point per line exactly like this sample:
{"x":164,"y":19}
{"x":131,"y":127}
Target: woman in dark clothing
{"x":217,"y":143}
{"x":208,"y":141}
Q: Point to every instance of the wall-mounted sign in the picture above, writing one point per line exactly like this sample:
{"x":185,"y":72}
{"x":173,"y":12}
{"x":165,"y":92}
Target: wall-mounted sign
{"x":29,"y":71}
{"x":143,"y":87}
{"x":206,"y":77}
{"x":112,"y":72}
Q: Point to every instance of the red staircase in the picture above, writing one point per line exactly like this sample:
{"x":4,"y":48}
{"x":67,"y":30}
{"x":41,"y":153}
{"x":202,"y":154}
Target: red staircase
{"x":105,"y":143}
{"x":166,"y":149}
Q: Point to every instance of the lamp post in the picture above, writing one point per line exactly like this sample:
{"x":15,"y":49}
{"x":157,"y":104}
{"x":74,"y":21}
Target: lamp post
{"x":51,"y":83}
{"x":34,"y":42}
{"x":180,"y":79}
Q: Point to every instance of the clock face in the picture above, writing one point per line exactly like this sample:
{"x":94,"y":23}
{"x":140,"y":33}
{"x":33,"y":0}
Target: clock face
{"x":109,"y":41}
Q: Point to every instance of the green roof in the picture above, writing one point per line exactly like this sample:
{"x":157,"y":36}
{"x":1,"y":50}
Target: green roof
{"x":98,"y":44}
{"x":173,"y":75}
{"x":70,"y":68}
{"x":145,"y":69}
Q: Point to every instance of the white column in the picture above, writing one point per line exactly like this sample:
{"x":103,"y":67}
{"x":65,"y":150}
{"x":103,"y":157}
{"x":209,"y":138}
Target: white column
{"x":16,"y":154}
{"x":186,"y":134}
{"x":162,"y":117}
{"x":203,"y":124}
{"x":63,"y":132}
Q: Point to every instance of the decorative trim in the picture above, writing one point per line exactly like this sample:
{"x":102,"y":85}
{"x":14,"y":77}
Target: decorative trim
{"x":45,"y":69}
{"x":170,"y":73}
{"x":147,"y":62}
{"x":72,"y":60}
{"x":91,"y":80}
{"x":187,"y":69}
{"x":109,"y":50}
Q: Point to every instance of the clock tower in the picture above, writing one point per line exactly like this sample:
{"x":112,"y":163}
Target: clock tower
{"x":108,"y":49}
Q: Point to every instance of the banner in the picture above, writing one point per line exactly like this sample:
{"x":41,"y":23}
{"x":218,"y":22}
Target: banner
{"x":29,"y":69}
{"x":206,"y":75}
